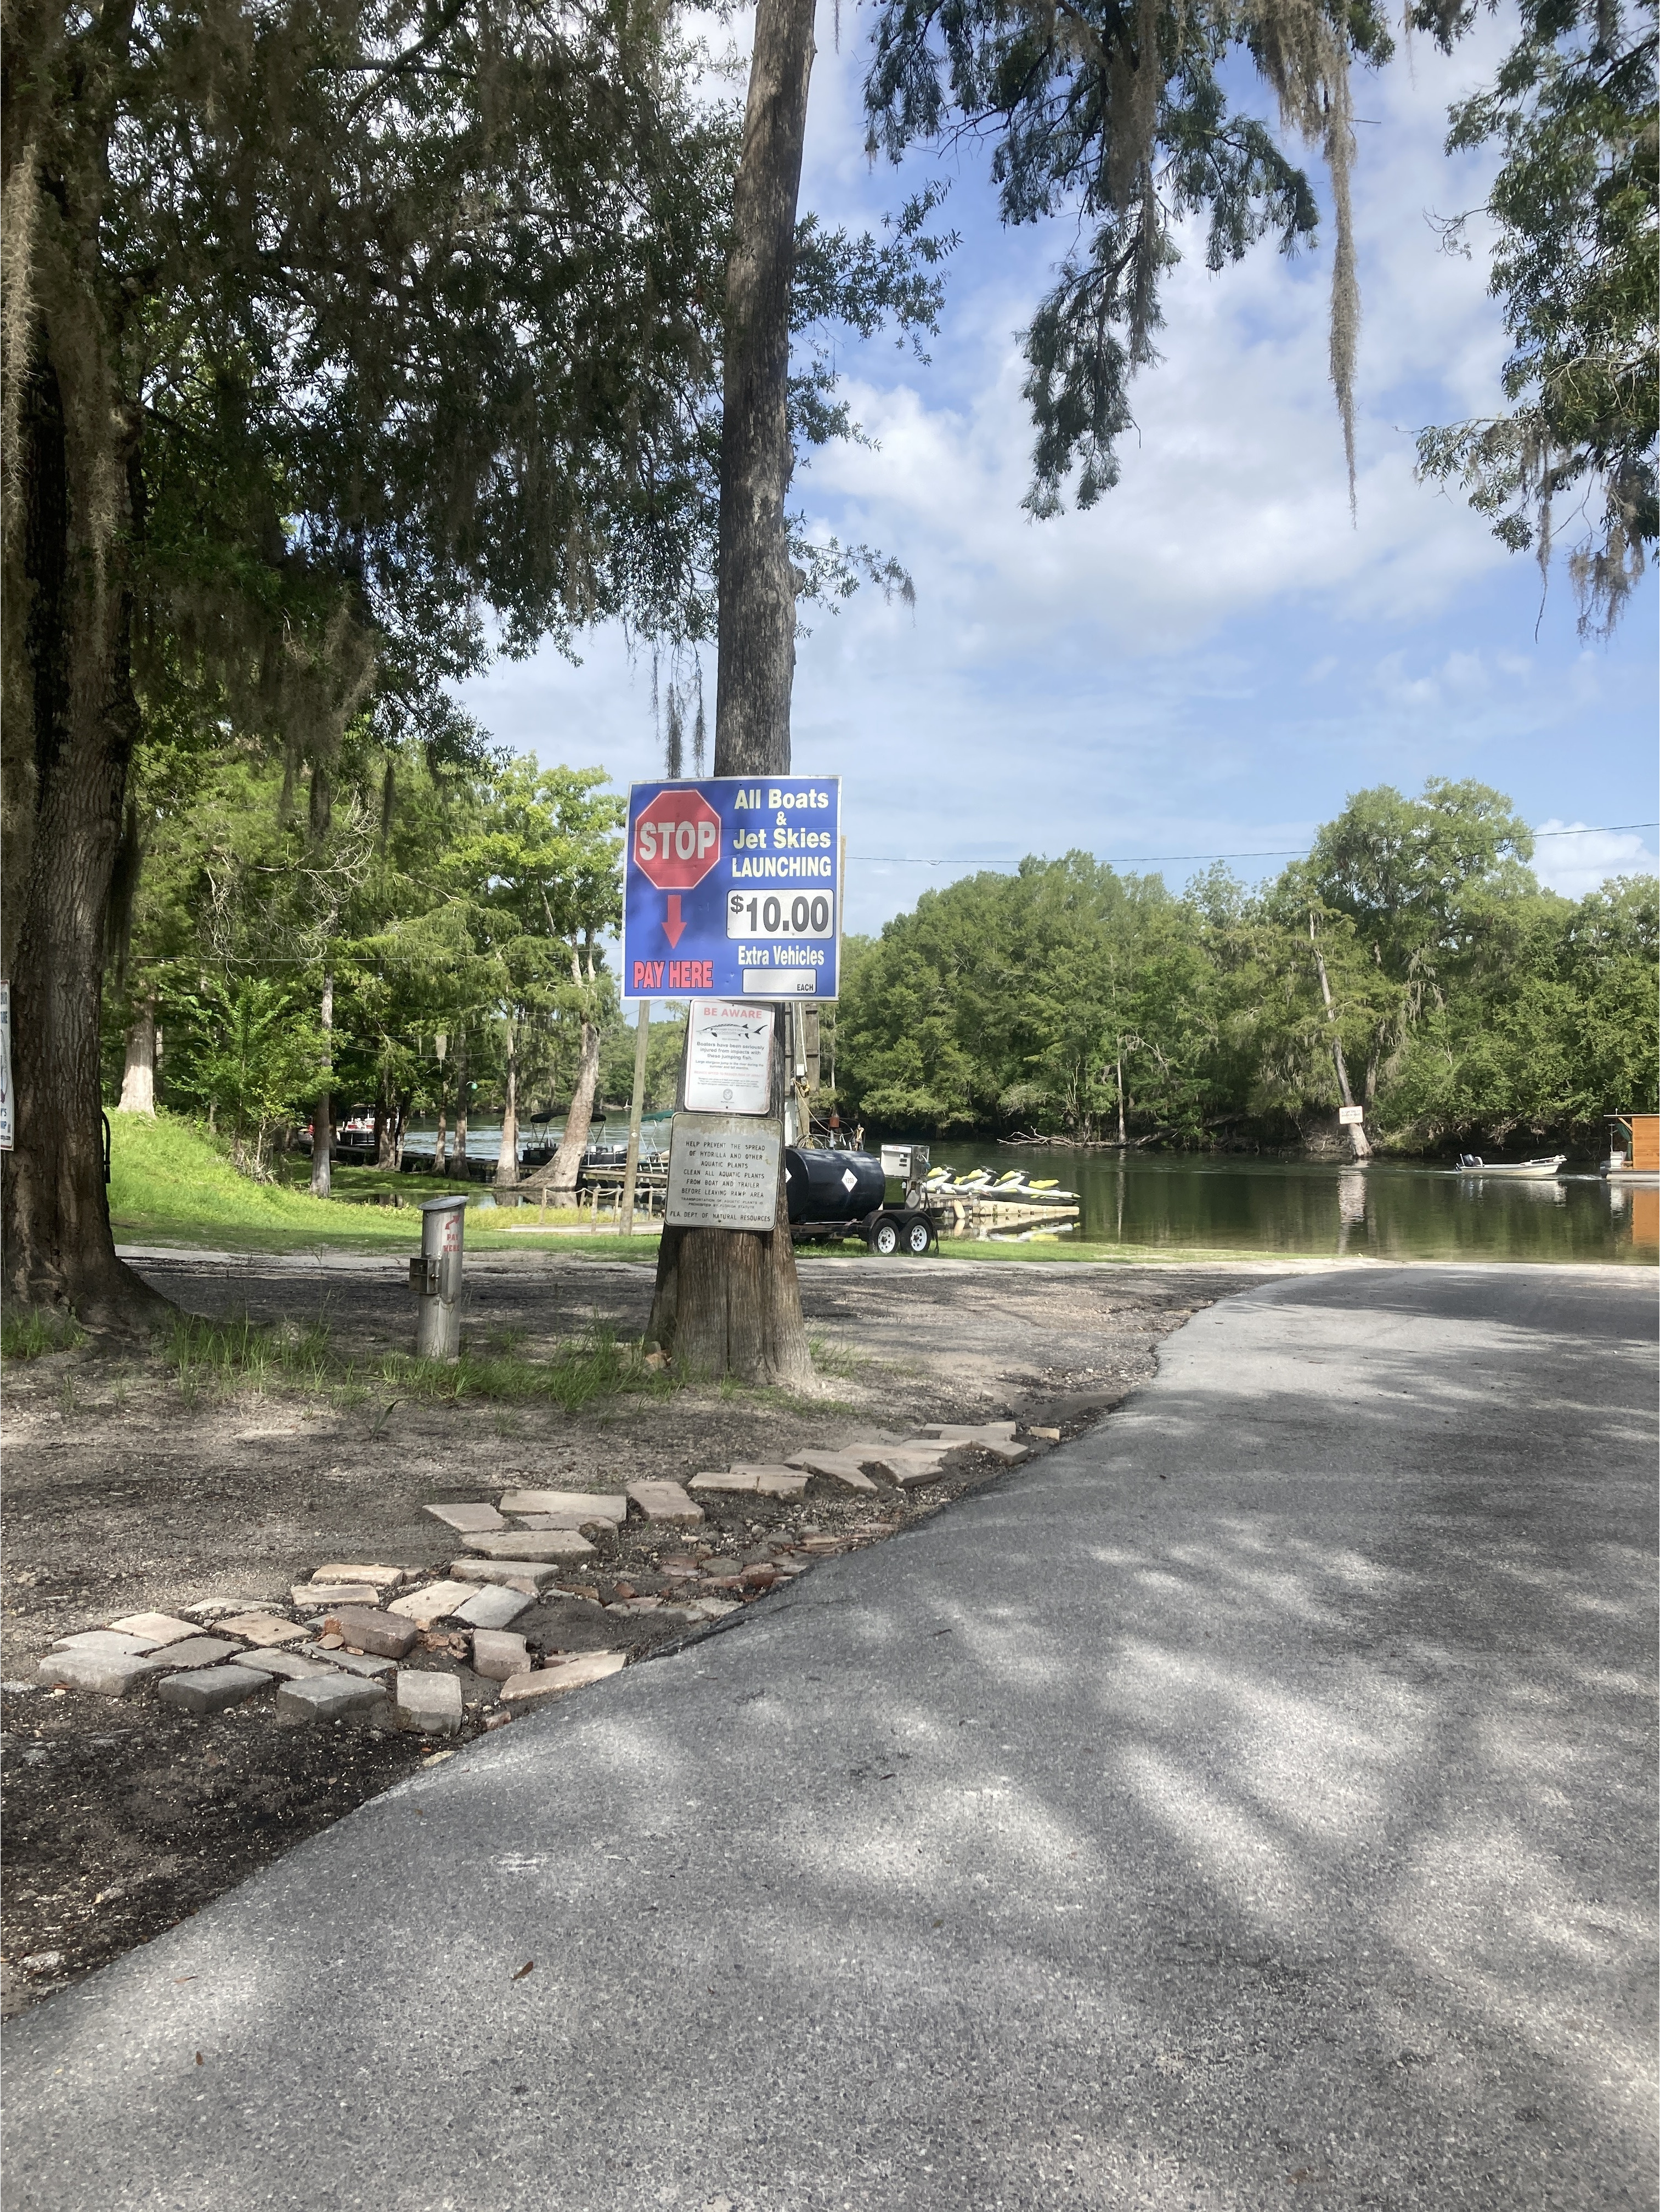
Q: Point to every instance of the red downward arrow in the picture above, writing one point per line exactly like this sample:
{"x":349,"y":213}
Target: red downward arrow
{"x":674,"y":929}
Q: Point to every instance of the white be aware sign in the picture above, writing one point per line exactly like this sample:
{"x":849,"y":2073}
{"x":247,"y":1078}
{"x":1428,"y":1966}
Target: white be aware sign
{"x":729,"y":1058}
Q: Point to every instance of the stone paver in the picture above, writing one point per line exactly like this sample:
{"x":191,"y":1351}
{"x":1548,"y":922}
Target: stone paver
{"x":466,"y":1519}
{"x":106,"y":1673}
{"x":540,"y":1544}
{"x":108,"y":1641}
{"x":435,"y":1602}
{"x":491,"y":1606}
{"x":664,"y":1501}
{"x":366,"y":1666}
{"x":323,"y":1597}
{"x":575,"y":1508}
{"x":781,"y":1482}
{"x":159,"y":1627}
{"x":733,"y":1481}
{"x":289,"y":1664}
{"x":197,"y":1651}
{"x":498,"y":1655}
{"x":329,"y":1697}
{"x":429,"y":1703}
{"x":383,"y":1634}
{"x":211,"y":1689}
{"x":969,"y":1432}
{"x":377,"y":1577}
{"x":836,"y":1466}
{"x":264,"y":1628}
{"x":564,"y":1675}
{"x":905,"y":1464}
{"x":527,"y":1575}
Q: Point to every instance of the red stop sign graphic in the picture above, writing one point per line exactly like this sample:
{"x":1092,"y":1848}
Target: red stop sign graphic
{"x":676,"y":840}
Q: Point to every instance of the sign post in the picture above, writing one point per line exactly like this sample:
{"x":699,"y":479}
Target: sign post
{"x":631,"y":1170}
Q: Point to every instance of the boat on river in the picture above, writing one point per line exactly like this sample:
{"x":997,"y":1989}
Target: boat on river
{"x":1514,"y":1170}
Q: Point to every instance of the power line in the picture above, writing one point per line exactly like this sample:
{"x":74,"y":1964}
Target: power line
{"x":1281,"y":853}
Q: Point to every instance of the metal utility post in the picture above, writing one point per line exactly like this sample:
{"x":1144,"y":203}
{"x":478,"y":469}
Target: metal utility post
{"x":632,"y":1169}
{"x":435,"y":1278}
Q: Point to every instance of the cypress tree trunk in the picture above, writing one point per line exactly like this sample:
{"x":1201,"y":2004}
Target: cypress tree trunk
{"x":462,"y":1095}
{"x":322,"y":1119}
{"x":1360,"y":1142}
{"x":727,"y":1301}
{"x":506,"y":1159}
{"x":71,"y":724}
{"x":567,"y":1159}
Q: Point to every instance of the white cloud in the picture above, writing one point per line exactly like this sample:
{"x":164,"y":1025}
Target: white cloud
{"x":1574,"y":859}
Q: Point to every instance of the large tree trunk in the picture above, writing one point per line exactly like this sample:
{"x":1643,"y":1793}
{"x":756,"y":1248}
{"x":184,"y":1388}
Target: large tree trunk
{"x":757,"y":622}
{"x":138,"y":1076}
{"x":72,"y":723}
{"x":322,"y":1118}
{"x":567,"y":1160}
{"x":727,"y":1301}
{"x":506,"y":1159}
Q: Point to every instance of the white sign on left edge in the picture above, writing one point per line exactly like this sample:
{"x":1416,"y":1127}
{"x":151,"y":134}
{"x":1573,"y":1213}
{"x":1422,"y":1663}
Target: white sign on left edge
{"x":729,"y":1058}
{"x":6,"y":1130}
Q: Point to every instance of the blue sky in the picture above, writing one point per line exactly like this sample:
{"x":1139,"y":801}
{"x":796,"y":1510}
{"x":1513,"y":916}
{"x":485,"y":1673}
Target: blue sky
{"x":1214,"y":656}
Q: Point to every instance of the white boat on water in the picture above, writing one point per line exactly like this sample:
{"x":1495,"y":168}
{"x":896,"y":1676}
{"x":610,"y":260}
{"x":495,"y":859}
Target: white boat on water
{"x":1516,"y":1171}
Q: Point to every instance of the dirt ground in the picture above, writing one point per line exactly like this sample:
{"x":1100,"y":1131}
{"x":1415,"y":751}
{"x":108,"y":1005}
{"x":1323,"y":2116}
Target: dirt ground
{"x":122,"y":1496}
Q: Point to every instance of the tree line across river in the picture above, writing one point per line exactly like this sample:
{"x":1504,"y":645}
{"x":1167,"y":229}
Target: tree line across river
{"x":425,"y":940}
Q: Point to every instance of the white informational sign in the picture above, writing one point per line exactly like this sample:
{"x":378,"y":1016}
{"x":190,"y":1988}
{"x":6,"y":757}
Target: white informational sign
{"x":6,"y":1127}
{"x":729,"y":1058}
{"x":1351,"y":1116}
{"x":723,"y":1172}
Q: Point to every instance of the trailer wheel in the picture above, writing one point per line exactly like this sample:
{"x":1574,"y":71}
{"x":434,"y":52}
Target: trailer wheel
{"x":884,"y":1237}
{"x":918,"y":1237}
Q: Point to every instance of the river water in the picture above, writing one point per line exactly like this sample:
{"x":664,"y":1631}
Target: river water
{"x":1203,"y":1202}
{"x":1208,"y":1202}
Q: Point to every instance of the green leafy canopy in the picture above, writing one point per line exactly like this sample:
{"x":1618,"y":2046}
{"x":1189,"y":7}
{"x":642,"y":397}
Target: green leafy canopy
{"x":1577,"y":266}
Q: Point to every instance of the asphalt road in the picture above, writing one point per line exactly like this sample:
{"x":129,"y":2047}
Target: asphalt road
{"x":1249,"y":1806}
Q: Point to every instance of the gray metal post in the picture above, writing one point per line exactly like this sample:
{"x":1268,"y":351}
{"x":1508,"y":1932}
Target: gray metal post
{"x":435,"y":1278}
{"x":630,"y":1172}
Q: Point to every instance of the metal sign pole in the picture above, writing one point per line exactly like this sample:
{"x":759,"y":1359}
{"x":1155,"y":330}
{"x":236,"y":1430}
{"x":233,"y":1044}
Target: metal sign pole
{"x":632,"y":1170}
{"x":435,"y":1278}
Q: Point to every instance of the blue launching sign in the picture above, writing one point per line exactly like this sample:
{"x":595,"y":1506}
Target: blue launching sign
{"x":732,"y":887}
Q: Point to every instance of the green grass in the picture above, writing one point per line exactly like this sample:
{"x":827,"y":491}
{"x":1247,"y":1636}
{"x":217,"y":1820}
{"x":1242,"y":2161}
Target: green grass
{"x":171,"y":1183}
{"x":218,"y":1359}
{"x":31,"y":1334}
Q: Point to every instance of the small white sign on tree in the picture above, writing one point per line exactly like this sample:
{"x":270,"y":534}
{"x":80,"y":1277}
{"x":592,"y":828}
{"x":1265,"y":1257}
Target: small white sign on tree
{"x":723,"y":1172}
{"x":729,"y":1058}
